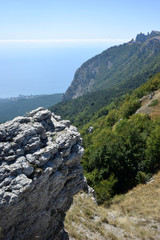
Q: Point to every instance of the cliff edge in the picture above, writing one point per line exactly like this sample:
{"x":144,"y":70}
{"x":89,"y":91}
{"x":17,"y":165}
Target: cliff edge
{"x":39,"y":174}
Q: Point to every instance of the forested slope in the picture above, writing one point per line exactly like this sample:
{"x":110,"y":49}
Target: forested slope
{"x":124,"y":148}
{"x":19,"y":107}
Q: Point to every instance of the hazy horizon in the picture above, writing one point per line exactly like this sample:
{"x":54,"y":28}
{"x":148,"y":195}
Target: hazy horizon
{"x":32,"y":69}
{"x":42,"y":43}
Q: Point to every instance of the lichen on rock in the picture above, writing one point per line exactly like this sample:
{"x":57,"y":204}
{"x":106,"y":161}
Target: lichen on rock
{"x":39,"y":174}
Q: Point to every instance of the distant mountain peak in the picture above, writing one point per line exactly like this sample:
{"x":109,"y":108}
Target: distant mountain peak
{"x":155,"y":32}
{"x":141,"y":37}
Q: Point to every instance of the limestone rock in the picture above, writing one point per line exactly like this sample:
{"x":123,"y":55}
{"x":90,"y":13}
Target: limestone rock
{"x":39,"y":174}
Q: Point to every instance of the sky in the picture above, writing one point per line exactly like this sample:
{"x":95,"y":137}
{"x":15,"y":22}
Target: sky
{"x":42,"y":43}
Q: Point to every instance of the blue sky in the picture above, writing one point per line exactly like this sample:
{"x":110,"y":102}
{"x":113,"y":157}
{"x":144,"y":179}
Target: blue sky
{"x":49,"y":19}
{"x":51,"y":31}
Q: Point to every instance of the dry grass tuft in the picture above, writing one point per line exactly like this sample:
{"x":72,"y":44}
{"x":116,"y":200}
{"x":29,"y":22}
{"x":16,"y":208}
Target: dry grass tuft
{"x":148,"y":107}
{"x":135,"y":215}
{"x":87,"y":220}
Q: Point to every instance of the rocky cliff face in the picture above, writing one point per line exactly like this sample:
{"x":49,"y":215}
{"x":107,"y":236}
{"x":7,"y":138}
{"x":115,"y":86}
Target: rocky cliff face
{"x":39,"y":174}
{"x":84,"y":78}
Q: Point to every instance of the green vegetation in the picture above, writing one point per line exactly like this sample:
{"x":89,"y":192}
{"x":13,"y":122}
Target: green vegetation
{"x":96,"y":104}
{"x":11,"y":109}
{"x":123,"y":149}
{"x":80,"y":110}
{"x":130,"y":66}
{"x":150,"y":86}
{"x":153,"y":103}
{"x":1,"y":235}
{"x":114,"y":158}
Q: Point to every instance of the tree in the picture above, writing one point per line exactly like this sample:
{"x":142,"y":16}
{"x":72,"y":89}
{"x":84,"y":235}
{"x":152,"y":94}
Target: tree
{"x":153,"y":150}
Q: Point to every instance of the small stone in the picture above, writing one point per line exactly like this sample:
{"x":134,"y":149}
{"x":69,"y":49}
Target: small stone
{"x":10,"y":158}
{"x":28,"y":170}
{"x":41,"y":115}
{"x":56,"y":117}
{"x":31,"y":114}
{"x":20,"y":151}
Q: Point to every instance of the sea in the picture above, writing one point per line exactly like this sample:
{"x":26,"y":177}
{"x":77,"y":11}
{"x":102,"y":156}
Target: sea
{"x":36,"y":69}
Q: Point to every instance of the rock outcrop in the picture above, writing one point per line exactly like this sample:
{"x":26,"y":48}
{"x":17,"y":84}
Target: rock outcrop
{"x":39,"y":174}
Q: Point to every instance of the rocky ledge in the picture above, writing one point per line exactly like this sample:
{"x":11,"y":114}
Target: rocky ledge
{"x":39,"y":174}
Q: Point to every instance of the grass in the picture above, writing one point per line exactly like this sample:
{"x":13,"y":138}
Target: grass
{"x":85,"y":220}
{"x":142,"y":200}
{"x":134,"y":215}
{"x":153,"y":103}
{"x":151,"y":107}
{"x":139,"y":211}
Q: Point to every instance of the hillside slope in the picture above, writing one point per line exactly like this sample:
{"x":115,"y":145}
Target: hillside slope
{"x":126,"y":66}
{"x":11,"y":109}
{"x":150,"y":104}
{"x":123,"y":148}
{"x":80,"y":110}
{"x":134,"y":215}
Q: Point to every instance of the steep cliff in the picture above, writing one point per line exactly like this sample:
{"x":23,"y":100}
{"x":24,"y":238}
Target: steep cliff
{"x":125,"y":66}
{"x":39,"y":174}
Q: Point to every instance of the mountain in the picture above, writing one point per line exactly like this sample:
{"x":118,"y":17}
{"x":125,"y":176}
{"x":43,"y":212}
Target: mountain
{"x":124,"y":66}
{"x":13,"y":107}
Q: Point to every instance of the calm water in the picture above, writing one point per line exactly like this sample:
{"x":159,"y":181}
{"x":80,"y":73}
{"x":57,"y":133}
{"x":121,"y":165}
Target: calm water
{"x":41,"y":70}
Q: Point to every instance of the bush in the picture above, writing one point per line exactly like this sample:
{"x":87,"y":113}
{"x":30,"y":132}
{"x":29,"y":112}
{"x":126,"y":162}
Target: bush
{"x":153,"y":150}
{"x":153,"y":103}
{"x":142,"y":177}
{"x":129,"y":107}
{"x":104,"y":190}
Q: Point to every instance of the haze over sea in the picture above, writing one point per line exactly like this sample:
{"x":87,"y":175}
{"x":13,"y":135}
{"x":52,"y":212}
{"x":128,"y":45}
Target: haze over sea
{"x":42,"y":68}
{"x":42,"y":43}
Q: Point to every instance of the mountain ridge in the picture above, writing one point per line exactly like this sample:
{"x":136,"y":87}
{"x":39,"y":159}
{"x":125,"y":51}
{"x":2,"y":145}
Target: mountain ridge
{"x":116,"y":66}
